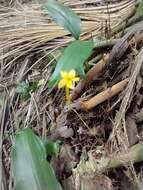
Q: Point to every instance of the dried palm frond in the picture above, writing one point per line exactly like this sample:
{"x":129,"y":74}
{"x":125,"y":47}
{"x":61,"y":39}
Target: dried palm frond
{"x":28,"y":27}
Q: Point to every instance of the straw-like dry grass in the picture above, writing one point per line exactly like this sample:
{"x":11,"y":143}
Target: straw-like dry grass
{"x":27,"y":27}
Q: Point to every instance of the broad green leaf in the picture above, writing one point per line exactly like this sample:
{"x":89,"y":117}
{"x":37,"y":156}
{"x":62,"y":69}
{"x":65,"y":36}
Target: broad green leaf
{"x":73,"y":57}
{"x":64,"y":16}
{"x":31,"y":170}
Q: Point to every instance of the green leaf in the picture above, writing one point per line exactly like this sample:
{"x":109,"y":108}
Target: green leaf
{"x":31,"y":171}
{"x":139,"y":11}
{"x":23,"y":90}
{"x":52,"y":148}
{"x":64,"y":16}
{"x":73,"y":57}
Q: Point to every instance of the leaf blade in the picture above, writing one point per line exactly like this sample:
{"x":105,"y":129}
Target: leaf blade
{"x":73,"y":57}
{"x":30,"y":168}
{"x":64,"y":16}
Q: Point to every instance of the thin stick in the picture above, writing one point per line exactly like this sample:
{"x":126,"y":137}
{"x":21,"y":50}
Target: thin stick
{"x":92,"y":73}
{"x":105,"y":95}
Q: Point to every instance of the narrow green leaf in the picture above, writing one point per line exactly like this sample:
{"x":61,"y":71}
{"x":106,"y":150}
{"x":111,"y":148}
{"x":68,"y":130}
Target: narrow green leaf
{"x":73,"y":57}
{"x":31,"y":170}
{"x":64,"y":16}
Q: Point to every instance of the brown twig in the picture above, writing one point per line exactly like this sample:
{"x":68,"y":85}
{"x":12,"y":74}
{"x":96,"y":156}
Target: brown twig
{"x":92,"y":73}
{"x":123,"y":44}
{"x":105,"y":95}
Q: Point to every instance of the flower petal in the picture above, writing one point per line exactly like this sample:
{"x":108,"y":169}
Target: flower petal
{"x":68,"y":79}
{"x":62,"y":83}
{"x":64,"y":74}
{"x":76,"y":79}
{"x":72,"y":73}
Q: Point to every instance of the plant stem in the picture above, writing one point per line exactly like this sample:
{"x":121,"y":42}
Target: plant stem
{"x":68,"y":99}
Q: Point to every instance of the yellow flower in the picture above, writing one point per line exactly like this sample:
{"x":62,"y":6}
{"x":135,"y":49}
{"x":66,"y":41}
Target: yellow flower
{"x":68,"y":79}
